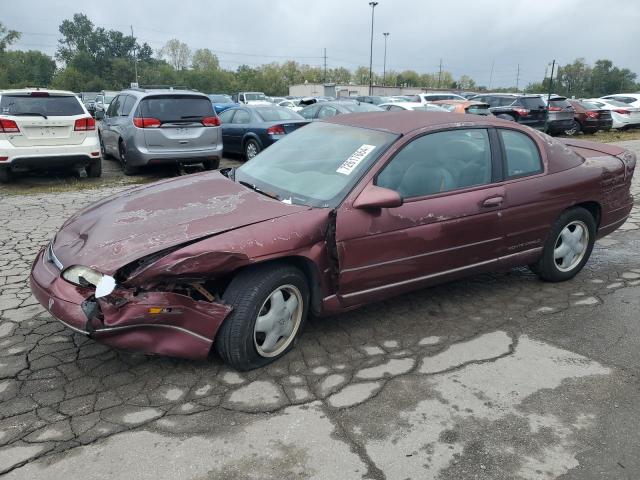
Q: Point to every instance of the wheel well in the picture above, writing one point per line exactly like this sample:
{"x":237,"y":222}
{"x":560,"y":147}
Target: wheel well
{"x":251,"y":137}
{"x":594,"y":209}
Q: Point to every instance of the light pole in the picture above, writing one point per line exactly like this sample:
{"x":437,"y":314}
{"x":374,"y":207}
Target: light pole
{"x":384,"y":67}
{"x":373,"y":7}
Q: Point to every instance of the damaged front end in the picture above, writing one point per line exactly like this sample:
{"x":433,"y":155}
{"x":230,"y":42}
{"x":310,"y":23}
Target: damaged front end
{"x":178,"y":318}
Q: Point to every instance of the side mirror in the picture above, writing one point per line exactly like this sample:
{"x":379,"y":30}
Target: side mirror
{"x":374,"y":197}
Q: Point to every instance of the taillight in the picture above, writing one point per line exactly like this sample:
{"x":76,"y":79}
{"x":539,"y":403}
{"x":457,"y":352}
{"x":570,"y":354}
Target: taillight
{"x":555,"y":109}
{"x":622,"y":112}
{"x":521,"y":111}
{"x":8,"y":126}
{"x":39,"y":94}
{"x":83,"y":124}
{"x":276,"y":130}
{"x":146,"y":122}
{"x":211,"y":121}
{"x":592,"y":114}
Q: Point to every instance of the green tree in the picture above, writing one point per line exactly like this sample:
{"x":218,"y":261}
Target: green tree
{"x":7,"y":37}
{"x":21,"y":69}
{"x":205,"y":60}
{"x":176,"y":53}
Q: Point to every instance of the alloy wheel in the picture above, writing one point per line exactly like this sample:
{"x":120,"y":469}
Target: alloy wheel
{"x":278,"y":321}
{"x":571,"y":246}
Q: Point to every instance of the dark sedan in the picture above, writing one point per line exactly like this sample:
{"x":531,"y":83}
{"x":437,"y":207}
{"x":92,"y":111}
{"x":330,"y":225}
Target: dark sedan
{"x":339,"y":214}
{"x":318,"y":111}
{"x":247,"y":130}
{"x":589,"y":118}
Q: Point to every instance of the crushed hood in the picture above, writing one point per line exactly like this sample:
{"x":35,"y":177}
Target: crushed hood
{"x":120,"y":229}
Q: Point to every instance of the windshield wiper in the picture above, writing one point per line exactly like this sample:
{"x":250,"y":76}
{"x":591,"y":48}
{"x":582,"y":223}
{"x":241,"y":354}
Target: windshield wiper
{"x":34,"y":114}
{"x":256,"y":189}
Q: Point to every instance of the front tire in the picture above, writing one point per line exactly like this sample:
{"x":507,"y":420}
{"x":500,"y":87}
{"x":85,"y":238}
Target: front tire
{"x":568,"y":246}
{"x":270,"y":305}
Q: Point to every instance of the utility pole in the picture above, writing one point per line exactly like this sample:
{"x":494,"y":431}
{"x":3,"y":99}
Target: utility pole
{"x":517,"y":78}
{"x":493,"y":62}
{"x":135,"y":55}
{"x":325,"y":65}
{"x":384,"y":67}
{"x":373,"y":8}
{"x":553,"y":65}
{"x":440,"y":73}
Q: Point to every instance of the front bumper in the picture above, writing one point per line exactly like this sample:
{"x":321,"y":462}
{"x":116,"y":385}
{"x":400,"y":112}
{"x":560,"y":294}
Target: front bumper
{"x":185,"y":328}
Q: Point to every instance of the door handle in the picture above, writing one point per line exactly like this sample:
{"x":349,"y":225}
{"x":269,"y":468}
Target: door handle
{"x":492,"y":202}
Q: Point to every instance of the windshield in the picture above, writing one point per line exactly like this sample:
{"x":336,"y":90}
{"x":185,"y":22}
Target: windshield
{"x":254,"y":96}
{"x":220,"y":99}
{"x":275,"y":114}
{"x":47,"y":105}
{"x":320,"y":176}
{"x":361,"y":107}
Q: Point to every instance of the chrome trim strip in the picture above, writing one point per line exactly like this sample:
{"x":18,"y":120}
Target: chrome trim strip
{"x":129,"y":327}
{"x":621,"y":221}
{"x":52,"y":257}
{"x":438,"y":274}
{"x":75,"y":329}
{"x":436,"y":252}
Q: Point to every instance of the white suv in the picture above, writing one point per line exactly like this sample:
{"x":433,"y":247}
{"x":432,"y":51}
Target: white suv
{"x":43,"y":129}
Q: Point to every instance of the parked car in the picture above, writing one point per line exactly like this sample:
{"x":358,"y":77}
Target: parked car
{"x":631,"y":99}
{"x":401,"y":98}
{"x":373,"y":99}
{"x":291,"y":105}
{"x":319,"y":111}
{"x":164,"y":126}
{"x":464,"y":106}
{"x":42,"y":129}
{"x":250,"y":129}
{"x":221,"y":101}
{"x":432,"y":97}
{"x":89,"y":101}
{"x":399,"y":106}
{"x":383,"y":204}
{"x":529,"y":110}
{"x":622,"y":115}
{"x":102,"y":102}
{"x":560,"y":116}
{"x":250,"y":98}
{"x":589,"y":118}
{"x":275,"y":100}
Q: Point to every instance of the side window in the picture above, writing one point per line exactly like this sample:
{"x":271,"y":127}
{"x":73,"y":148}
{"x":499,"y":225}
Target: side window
{"x":395,"y":108}
{"x":225,"y":117}
{"x":439,"y":162}
{"x":326,"y":112}
{"x":242,"y":116}
{"x":522,"y":155}
{"x":128,"y":105}
{"x":309,"y":112}
{"x":114,"y":106}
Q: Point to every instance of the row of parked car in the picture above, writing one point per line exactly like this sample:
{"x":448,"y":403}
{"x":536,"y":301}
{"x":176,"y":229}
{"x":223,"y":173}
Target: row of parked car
{"x":42,"y":129}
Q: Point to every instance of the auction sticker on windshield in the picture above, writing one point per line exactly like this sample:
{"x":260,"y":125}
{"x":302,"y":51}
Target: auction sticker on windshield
{"x":354,"y":160}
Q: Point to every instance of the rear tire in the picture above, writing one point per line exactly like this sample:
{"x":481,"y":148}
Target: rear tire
{"x":242,"y":342}
{"x":575,"y":130}
{"x":251,"y":149}
{"x":94,"y":169}
{"x":568,"y":246}
{"x":5,"y":175}
{"x":126,"y":168}
{"x":211,"y":164}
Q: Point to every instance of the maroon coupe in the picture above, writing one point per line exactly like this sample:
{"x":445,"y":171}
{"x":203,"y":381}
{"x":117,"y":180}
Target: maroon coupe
{"x":335,"y":215}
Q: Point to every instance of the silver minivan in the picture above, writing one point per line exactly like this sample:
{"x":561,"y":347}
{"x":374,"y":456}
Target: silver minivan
{"x":152,"y":127}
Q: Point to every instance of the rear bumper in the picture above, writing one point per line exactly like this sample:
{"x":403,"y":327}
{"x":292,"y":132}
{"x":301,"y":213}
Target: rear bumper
{"x":185,"y":328}
{"x":557,"y":126}
{"x":143,"y":156}
{"x":596,"y":124}
{"x":44,"y":157}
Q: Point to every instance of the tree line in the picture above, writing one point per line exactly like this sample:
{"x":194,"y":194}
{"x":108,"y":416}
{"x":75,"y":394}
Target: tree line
{"x":91,"y":58}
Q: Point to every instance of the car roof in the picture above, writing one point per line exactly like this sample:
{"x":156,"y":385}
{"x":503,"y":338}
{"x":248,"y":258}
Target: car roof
{"x":407,"y":121}
{"x":29,"y":90}
{"x":160,"y":91}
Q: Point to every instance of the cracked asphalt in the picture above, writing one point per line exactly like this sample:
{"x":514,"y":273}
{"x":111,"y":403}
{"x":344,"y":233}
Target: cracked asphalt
{"x":497,"y":376}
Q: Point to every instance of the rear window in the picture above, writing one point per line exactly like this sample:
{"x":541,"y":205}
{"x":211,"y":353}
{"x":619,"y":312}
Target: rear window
{"x":500,"y":101}
{"x":482,"y":109}
{"x":589,"y":106}
{"x":176,"y":108}
{"x":532,"y":103}
{"x":275,"y":114}
{"x":50,"y":106}
{"x":361,"y":107}
{"x":559,"y":102}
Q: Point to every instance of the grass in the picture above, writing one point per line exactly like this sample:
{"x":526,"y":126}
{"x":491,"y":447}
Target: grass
{"x":610,"y":136}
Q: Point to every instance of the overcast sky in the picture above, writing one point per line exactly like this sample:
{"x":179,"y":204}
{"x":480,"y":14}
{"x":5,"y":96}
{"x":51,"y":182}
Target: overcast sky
{"x":468,"y":35}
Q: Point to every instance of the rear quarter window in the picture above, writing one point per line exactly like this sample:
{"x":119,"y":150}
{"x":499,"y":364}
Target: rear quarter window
{"x":176,"y":108}
{"x":522,"y":156}
{"x":51,"y":106}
